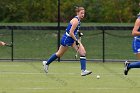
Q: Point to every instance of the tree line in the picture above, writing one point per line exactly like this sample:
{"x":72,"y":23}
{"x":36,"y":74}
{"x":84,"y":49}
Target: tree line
{"x":107,"y":11}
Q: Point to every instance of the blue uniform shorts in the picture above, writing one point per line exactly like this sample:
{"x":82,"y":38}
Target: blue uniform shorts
{"x":67,"y":40}
{"x":136,"y":45}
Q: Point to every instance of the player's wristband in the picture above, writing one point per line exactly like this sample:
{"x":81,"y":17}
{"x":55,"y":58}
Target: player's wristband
{"x":77,"y":43}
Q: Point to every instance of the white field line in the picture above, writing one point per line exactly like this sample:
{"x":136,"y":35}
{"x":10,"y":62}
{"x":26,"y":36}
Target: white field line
{"x":10,"y":65}
{"x":76,"y":74}
{"x":91,"y":88}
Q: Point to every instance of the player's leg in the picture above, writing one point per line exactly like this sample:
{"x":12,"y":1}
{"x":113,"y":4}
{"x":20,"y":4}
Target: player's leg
{"x":59,"y":53}
{"x":136,"y":50}
{"x":82,"y":52}
{"x":131,"y":65}
{"x":135,"y":64}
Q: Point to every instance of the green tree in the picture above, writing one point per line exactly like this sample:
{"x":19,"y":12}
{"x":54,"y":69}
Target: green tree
{"x":46,"y":10}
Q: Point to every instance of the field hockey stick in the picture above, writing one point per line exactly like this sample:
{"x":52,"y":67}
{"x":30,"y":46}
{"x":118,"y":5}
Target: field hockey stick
{"x":80,"y":35}
{"x":9,"y":44}
{"x":76,"y":55}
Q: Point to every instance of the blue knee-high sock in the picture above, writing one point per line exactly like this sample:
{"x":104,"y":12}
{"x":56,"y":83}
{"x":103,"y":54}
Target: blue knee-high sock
{"x":134,"y":65}
{"x":83,"y":62}
{"x":51,"y":59}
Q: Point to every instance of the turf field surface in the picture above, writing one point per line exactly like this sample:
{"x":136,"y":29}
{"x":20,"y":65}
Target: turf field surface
{"x":64,"y":77}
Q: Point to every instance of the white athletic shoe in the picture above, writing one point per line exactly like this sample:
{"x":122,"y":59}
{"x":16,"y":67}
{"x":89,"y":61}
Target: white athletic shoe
{"x":85,"y":72}
{"x":126,"y":69}
{"x":46,"y":67}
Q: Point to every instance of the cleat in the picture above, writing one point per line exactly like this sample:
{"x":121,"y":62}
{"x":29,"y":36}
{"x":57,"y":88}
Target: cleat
{"x":46,"y":67}
{"x":85,"y":72}
{"x":126,"y":69}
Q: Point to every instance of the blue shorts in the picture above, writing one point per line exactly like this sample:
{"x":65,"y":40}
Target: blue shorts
{"x":136,"y":45}
{"x":67,"y":40}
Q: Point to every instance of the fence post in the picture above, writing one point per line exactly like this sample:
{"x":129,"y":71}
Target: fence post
{"x":103,"y":48}
{"x":58,"y":35}
{"x":12,"y":48}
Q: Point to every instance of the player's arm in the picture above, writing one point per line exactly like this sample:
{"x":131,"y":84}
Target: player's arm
{"x":6,"y":44}
{"x":135,"y":31}
{"x":2,"y":43}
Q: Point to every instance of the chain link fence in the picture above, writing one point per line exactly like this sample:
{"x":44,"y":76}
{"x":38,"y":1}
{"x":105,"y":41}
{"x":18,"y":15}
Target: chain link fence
{"x":103,"y":43}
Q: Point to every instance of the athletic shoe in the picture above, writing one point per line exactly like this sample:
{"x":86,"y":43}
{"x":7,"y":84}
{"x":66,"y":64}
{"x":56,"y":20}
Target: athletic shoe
{"x":46,"y":67}
{"x":85,"y":72}
{"x":126,"y":69}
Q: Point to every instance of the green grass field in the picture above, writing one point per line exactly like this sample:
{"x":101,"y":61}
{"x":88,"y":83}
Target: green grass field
{"x":64,"y":77}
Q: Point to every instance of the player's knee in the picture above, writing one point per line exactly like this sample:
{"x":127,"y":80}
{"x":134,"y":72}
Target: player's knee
{"x":83,"y":54}
{"x":59,"y":55}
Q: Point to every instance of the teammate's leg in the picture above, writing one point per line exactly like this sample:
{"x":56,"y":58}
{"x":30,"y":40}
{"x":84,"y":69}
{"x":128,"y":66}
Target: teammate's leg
{"x":135,"y":64}
{"x":128,"y":65}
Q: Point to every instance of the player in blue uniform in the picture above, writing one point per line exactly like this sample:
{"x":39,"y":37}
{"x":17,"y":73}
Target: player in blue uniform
{"x":70,"y":38}
{"x":135,"y":46}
